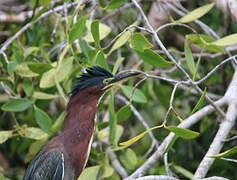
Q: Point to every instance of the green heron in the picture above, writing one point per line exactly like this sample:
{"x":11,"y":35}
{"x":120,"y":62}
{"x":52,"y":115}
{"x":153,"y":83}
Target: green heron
{"x":65,"y":155}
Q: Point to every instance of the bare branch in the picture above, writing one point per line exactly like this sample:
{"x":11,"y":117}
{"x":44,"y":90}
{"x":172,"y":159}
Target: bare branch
{"x":225,"y":127}
{"x":187,"y":123}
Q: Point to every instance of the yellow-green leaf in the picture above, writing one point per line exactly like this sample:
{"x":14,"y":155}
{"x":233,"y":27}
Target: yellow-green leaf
{"x":138,"y":137}
{"x":47,"y":79}
{"x":189,"y":58}
{"x":196,"y":14}
{"x":43,"y":95}
{"x":186,"y":173}
{"x":107,"y":171}
{"x":124,"y":113}
{"x":44,"y":2}
{"x":58,"y":123}
{"x":113,"y":4}
{"x":43,"y":120}
{"x":226,"y":153}
{"x":152,"y":58}
{"x":34,"y":148}
{"x":117,"y":65}
{"x":135,"y":94}
{"x":118,"y":133}
{"x":121,"y":41}
{"x":103,"y":29}
{"x":101,"y":60}
{"x":16,"y":105}
{"x":205,"y":42}
{"x":95,"y":32}
{"x":200,"y":101}
{"x":139,"y":42}
{"x":35,"y":133}
{"x":24,"y":71}
{"x":39,"y":67}
{"x":61,"y":72}
{"x":90,"y":173}
{"x":77,"y":29}
{"x":182,"y":132}
{"x":4,"y":135}
{"x":226,"y":41}
{"x":131,"y":157}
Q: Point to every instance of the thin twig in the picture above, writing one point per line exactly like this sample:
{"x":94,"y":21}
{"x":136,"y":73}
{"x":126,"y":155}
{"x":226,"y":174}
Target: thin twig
{"x":172,"y":58}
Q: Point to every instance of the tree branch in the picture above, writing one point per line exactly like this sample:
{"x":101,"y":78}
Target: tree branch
{"x":187,"y":123}
{"x":225,"y":127}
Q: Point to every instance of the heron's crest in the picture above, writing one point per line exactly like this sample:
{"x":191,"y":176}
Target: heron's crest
{"x":91,"y":77}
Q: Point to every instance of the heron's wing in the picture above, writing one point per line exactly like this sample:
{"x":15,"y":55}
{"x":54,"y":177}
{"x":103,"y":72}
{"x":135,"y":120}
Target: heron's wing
{"x":46,"y":166}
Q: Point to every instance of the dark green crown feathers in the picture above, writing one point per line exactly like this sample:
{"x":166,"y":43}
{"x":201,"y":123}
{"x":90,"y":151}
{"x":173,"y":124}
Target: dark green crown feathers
{"x":91,"y":77}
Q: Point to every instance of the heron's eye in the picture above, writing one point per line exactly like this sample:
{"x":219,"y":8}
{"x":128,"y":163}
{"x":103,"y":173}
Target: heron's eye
{"x":106,"y":81}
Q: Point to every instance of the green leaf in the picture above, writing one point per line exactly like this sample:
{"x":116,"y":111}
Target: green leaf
{"x":77,"y":29}
{"x":4,"y":135}
{"x":121,"y":41}
{"x":189,"y":58}
{"x":113,"y":4}
{"x":138,"y":137}
{"x":135,"y":94}
{"x":196,"y":14}
{"x":226,"y":153}
{"x":39,"y":67}
{"x":101,"y":60}
{"x":62,"y":72}
{"x":226,"y":41}
{"x":90,"y":173}
{"x":139,"y":42}
{"x":43,"y":120}
{"x":42,"y":95}
{"x":95,"y":32}
{"x":183,"y":171}
{"x":124,"y":113}
{"x":200,"y":101}
{"x":182,"y":132}
{"x":153,"y":58}
{"x":103,"y":29}
{"x":24,"y":71}
{"x":16,"y":105}
{"x":204,"y":41}
{"x":35,"y":133}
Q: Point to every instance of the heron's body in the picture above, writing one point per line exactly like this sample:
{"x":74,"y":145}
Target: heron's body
{"x":65,"y":155}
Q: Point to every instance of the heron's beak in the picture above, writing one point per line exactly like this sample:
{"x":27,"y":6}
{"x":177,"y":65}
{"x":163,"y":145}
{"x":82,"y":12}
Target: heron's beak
{"x":122,"y":77}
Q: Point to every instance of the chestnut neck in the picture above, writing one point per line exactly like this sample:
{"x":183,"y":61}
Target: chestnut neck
{"x":81,"y":109}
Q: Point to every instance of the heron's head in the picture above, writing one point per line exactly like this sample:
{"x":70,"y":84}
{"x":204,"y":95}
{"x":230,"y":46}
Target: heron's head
{"x":97,"y":80}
